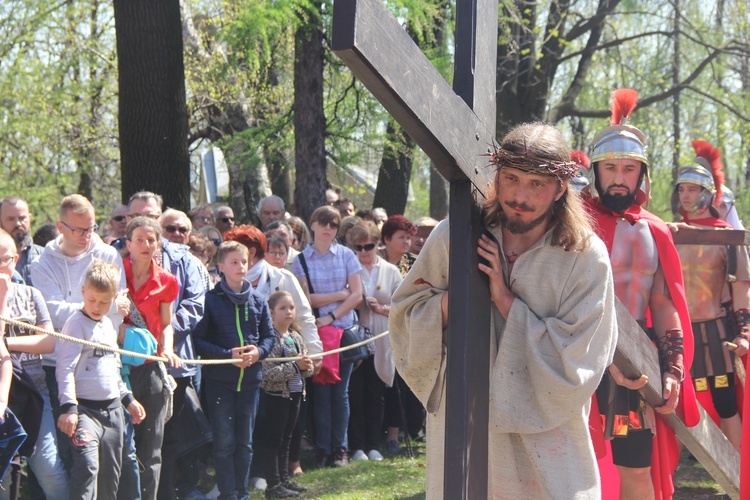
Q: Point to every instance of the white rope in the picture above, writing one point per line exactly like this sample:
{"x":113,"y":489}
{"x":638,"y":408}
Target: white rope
{"x":149,"y":357}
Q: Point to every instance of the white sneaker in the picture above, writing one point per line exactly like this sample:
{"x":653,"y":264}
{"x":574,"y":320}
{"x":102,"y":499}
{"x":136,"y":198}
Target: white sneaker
{"x":359,"y":455}
{"x":258,"y":483}
{"x":374,"y":455}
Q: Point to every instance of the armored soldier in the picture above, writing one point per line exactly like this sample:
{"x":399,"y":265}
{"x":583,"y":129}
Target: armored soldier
{"x":648,"y":281}
{"x":708,"y":271}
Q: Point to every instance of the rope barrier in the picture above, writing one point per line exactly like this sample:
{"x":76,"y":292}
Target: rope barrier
{"x":149,"y":357}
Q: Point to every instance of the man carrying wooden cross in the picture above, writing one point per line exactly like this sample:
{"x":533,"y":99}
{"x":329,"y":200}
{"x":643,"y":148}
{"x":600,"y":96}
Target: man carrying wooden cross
{"x":648,"y":281}
{"x":553,"y":324}
{"x":710,"y":272}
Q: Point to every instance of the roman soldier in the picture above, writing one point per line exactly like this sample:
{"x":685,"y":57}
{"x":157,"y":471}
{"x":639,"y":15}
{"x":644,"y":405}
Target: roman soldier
{"x":648,"y":281}
{"x":711,"y":272}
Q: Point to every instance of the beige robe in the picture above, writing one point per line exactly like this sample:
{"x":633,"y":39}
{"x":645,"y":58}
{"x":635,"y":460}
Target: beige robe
{"x":546,"y":361}
{"x":389,"y":278}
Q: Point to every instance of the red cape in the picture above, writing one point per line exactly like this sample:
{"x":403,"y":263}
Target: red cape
{"x":666,"y":454}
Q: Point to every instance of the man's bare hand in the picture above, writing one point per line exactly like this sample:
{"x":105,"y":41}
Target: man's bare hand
{"x":499,"y":293}
{"x":670,"y":394}
{"x":620,"y":379}
{"x":676,"y":226}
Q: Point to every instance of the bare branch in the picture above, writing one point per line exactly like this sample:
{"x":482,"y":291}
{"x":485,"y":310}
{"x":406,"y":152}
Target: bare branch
{"x":604,"y":9}
{"x":615,"y":43}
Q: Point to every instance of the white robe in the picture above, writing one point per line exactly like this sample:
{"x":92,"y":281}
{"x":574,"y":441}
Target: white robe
{"x":546,"y":361}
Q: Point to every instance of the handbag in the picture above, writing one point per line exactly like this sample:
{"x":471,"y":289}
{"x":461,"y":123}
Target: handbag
{"x":355,"y":333}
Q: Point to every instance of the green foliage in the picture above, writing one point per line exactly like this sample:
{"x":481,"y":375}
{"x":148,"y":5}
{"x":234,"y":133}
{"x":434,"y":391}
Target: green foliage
{"x":57,"y":102}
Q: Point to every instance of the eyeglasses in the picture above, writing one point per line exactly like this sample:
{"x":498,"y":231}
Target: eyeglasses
{"x":332,"y":225}
{"x":366,"y":248}
{"x":226,"y":220}
{"x":216,"y":241}
{"x":150,"y":216}
{"x":118,"y":218}
{"x":81,"y":232}
{"x":5,"y":261}
{"x":180,"y":229}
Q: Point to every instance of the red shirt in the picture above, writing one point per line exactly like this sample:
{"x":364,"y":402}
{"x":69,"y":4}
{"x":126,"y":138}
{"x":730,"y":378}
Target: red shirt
{"x":161,"y":288}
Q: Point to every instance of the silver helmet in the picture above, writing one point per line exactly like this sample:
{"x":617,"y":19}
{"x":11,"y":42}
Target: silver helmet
{"x":620,"y":140}
{"x":700,"y":176}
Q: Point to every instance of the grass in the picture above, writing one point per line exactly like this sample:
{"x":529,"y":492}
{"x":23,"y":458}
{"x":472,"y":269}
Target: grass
{"x":396,"y":477}
{"x":692,"y":482}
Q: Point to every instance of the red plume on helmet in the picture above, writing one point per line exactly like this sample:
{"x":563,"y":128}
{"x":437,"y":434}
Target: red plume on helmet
{"x":622,"y":105}
{"x":712,"y":155}
{"x":580,"y":158}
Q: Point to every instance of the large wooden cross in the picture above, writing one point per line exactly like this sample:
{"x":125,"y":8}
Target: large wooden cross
{"x":455,"y":126}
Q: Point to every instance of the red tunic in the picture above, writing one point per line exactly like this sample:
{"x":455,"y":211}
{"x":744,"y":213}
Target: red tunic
{"x":160,"y":288}
{"x":666,"y":453}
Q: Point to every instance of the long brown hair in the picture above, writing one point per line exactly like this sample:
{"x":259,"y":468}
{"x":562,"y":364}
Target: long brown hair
{"x":572,"y":224}
{"x":275,"y":298}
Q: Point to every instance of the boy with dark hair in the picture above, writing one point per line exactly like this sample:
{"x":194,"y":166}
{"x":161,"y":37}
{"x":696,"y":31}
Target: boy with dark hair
{"x":92,"y":393}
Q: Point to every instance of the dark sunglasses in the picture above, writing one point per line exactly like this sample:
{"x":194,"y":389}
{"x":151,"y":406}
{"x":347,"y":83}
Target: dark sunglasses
{"x":180,"y":229}
{"x":332,"y":225}
{"x":216,"y":241}
{"x":226,"y":220}
{"x":366,"y":247}
{"x":118,"y":218}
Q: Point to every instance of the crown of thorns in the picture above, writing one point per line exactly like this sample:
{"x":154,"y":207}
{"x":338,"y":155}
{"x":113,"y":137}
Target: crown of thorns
{"x":524,"y":162}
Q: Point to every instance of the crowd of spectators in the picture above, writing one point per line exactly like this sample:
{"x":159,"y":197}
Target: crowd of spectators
{"x":200,"y":284}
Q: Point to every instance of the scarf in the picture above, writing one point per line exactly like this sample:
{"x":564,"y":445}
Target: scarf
{"x":237,"y":298}
{"x":259,"y":273}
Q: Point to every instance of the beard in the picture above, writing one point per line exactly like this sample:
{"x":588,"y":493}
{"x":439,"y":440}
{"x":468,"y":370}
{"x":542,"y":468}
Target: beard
{"x":617,"y":202}
{"x":519,"y":227}
{"x":22,"y":239}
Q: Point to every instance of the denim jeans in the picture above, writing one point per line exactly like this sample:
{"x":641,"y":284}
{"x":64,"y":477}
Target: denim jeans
{"x":46,"y":462}
{"x":130,"y":475}
{"x":232,"y":416}
{"x":331,"y":412}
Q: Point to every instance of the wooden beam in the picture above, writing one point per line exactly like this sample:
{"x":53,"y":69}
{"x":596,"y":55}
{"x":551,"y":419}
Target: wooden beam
{"x":467,"y":391}
{"x":635,"y":355}
{"x":696,"y":236}
{"x":384,"y":58}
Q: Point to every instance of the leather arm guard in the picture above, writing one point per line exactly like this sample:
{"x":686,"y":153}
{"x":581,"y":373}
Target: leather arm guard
{"x":671,"y":353}
{"x":742,"y":322}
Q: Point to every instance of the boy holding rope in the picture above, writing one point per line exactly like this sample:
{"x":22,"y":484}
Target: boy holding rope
{"x":92,"y":393}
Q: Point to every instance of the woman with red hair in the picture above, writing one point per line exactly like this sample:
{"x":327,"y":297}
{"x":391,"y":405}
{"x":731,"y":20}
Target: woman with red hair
{"x":396,"y":235}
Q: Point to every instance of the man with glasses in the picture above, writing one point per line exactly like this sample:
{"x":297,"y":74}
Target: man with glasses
{"x":59,"y":274}
{"x":15,"y":219}
{"x":117,"y":224}
{"x":224,"y":218}
{"x":188,"y":310}
{"x":176,"y":226}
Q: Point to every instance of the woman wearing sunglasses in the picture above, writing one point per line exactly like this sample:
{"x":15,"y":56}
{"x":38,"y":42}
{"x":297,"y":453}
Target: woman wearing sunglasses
{"x":330,"y":273}
{"x":368,"y":382}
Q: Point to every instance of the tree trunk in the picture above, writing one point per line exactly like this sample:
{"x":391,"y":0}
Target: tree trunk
{"x":309,"y":118}
{"x":153,"y":117}
{"x":395,"y":170}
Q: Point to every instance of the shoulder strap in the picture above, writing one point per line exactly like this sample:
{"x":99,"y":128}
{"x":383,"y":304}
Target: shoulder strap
{"x":303,"y":262}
